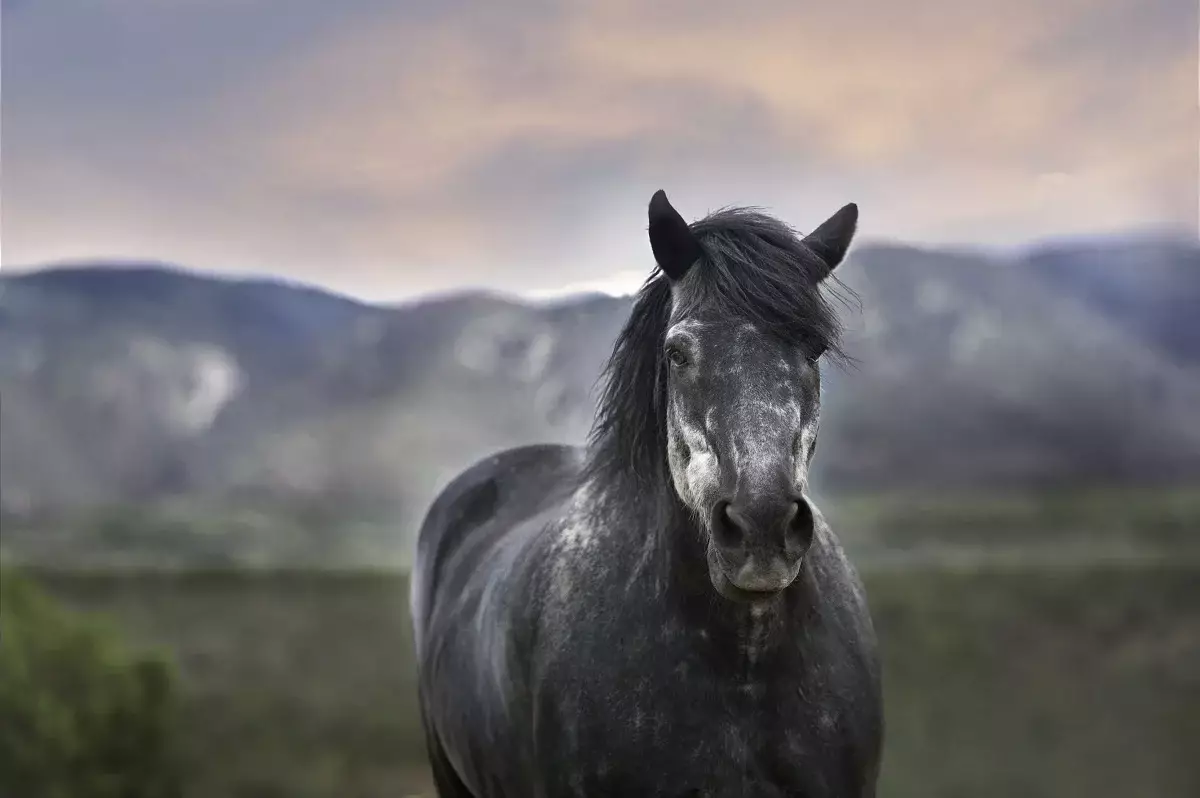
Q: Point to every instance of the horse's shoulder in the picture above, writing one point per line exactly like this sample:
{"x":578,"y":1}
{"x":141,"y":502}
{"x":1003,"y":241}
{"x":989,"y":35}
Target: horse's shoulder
{"x":492,"y":495}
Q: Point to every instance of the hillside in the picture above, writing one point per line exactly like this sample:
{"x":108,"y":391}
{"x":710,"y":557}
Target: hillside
{"x":989,"y":373}
{"x":144,"y":383}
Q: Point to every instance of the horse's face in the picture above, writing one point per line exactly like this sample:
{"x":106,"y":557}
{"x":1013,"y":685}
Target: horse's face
{"x":742,"y":414}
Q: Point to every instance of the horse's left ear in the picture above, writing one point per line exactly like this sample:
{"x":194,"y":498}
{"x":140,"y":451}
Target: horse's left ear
{"x":831,"y":240}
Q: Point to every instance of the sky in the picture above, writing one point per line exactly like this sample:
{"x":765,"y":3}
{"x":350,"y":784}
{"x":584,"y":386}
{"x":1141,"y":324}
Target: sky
{"x":390,"y":149}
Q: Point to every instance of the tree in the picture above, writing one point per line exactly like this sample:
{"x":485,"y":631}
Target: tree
{"x":82,"y":715}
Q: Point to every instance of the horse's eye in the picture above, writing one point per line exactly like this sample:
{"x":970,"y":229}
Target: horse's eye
{"x":676,"y":356}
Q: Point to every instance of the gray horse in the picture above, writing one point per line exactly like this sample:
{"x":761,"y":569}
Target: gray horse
{"x":664,"y":612}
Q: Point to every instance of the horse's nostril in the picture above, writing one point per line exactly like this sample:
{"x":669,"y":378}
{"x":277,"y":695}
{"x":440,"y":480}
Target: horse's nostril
{"x":726,"y":530}
{"x":801,"y":526}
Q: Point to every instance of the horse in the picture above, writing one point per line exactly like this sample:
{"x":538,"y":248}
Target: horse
{"x":663,"y":610}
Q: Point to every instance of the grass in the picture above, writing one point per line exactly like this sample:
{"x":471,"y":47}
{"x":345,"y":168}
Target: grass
{"x":340,"y":535}
{"x":999,"y":682}
{"x":1075,"y":682}
{"x":1142,"y":517}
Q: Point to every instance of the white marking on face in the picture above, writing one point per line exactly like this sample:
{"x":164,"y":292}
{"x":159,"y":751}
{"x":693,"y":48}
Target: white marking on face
{"x":702,"y":475}
{"x":765,"y":432}
{"x":694,"y":466}
{"x":808,"y":437}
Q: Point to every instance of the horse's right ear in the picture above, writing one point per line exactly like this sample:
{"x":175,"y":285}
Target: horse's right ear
{"x":675,"y":247}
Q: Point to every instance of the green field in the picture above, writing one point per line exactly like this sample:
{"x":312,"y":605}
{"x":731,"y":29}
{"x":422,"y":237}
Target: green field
{"x":1052,"y":681}
{"x":1122,"y":518}
{"x":1116,"y":521}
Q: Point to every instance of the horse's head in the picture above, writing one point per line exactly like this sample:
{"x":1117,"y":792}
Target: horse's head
{"x":746,"y":329}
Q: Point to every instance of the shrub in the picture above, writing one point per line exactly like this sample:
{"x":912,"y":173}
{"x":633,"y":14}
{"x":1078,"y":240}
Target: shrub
{"x":81,"y":714}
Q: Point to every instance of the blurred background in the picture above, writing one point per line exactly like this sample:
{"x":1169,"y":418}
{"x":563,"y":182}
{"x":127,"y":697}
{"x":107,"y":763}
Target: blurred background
{"x":273,"y":272}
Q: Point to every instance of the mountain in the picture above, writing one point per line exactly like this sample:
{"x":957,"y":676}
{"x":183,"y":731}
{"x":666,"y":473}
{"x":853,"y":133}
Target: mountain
{"x":111,"y":378}
{"x":1149,"y":288}
{"x":991,"y":373}
{"x":140,"y":382}
{"x":143,"y":382}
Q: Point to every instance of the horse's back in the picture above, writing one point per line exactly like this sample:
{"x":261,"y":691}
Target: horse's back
{"x":494,"y":494}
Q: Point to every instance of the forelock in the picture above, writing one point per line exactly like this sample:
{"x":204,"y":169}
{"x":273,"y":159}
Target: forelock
{"x":757,"y":270}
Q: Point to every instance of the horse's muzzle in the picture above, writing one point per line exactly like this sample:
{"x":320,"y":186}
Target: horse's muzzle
{"x":753,"y":579}
{"x":759,"y":541}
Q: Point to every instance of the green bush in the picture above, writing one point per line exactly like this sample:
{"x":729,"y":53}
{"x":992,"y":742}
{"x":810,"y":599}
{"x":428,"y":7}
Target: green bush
{"x":81,"y":715}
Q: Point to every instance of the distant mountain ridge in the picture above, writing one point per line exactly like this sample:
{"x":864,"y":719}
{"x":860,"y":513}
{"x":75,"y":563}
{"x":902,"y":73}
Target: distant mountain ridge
{"x":1151,"y":288}
{"x":138,"y":383}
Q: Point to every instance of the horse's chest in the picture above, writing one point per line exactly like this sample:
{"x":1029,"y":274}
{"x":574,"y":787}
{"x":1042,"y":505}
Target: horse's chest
{"x":682,"y":728}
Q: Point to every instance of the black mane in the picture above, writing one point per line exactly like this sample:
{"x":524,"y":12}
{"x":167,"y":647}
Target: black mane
{"x":754,"y":268}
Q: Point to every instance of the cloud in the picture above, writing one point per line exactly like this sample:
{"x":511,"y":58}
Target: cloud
{"x":423,"y":147}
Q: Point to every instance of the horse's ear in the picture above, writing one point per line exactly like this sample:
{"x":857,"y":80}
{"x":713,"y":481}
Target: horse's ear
{"x":675,"y":248}
{"x":831,"y":240}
